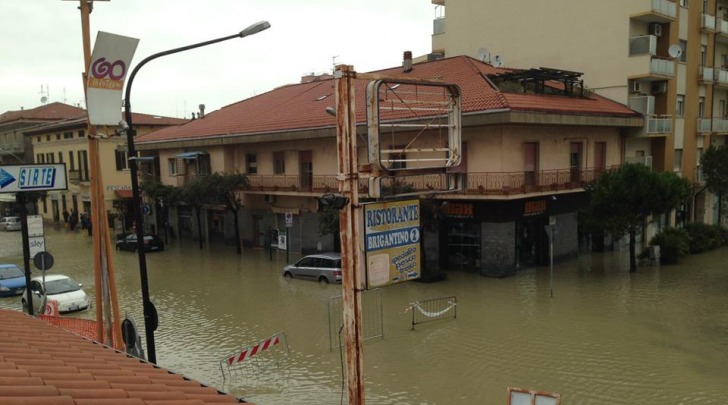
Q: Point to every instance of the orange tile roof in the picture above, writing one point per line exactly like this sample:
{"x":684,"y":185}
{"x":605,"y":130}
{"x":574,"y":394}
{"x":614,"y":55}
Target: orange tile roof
{"x":302,"y":106}
{"x":43,"y":364}
{"x":49,"y":112}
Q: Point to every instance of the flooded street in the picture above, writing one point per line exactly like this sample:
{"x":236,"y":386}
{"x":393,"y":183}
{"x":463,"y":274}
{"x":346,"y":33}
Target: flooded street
{"x":607,"y":337}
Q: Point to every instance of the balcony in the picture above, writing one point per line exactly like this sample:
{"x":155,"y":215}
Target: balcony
{"x":659,"y":11}
{"x":643,"y":160}
{"x":651,"y":68}
{"x":658,"y":126}
{"x":705,"y":125}
{"x":721,"y":27}
{"x":721,"y":77}
{"x":479,"y":183}
{"x":438,"y":26}
{"x":643,"y":45}
{"x":644,"y":105}
{"x":707,"y":23}
{"x":720,"y":126}
{"x":707,"y":75}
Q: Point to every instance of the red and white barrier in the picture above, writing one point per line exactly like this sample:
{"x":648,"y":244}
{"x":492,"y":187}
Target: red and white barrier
{"x":251,"y":351}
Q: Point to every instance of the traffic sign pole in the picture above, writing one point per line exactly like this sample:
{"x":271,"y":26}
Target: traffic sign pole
{"x":20,"y":200}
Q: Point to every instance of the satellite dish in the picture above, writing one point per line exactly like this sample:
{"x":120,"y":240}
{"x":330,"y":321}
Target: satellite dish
{"x":484,"y":55}
{"x":498,"y":62}
{"x":675,"y":51}
{"x":43,"y":99}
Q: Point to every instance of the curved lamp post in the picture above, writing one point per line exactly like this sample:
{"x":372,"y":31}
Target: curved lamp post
{"x":150,"y":313}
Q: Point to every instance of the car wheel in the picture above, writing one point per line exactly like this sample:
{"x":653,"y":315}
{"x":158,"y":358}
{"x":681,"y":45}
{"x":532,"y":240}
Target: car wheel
{"x":323,"y":280}
{"x":288,"y":274}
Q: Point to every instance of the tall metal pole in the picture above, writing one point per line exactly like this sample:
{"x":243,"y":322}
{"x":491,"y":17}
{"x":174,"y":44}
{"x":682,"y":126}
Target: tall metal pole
{"x":350,"y":231}
{"x":21,"y":201}
{"x":150,"y":313}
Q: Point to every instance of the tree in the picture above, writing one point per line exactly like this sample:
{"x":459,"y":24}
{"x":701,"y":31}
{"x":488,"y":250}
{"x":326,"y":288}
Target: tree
{"x":714,"y":165}
{"x":329,"y":224}
{"x":164,"y":196}
{"x":623,"y":198}
{"x":224,"y":189}
{"x":196,"y":194}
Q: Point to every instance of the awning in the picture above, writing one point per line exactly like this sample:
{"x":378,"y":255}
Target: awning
{"x":124,"y":194}
{"x":142,"y":158}
{"x":191,"y":155}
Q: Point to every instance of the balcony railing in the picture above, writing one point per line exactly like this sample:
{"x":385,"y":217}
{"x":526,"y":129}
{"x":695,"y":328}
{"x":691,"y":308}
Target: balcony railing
{"x":707,"y":74}
{"x":658,"y":125}
{"x":74,"y":176}
{"x":643,"y":45}
{"x":707,"y":22}
{"x":720,"y":125}
{"x":705,"y":125}
{"x":662,"y":67}
{"x":474,"y":183}
{"x":665,"y":7}
{"x":721,"y":76}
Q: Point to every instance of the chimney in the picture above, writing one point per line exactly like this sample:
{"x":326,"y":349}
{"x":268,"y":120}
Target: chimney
{"x":201,"y":114}
{"x":407,"y":61}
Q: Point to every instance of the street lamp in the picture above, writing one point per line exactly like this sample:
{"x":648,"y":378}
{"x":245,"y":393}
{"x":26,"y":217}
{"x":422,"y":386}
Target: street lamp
{"x":150,"y":312}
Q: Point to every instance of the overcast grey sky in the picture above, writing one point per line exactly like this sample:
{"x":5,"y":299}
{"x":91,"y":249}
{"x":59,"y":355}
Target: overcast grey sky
{"x":41,"y":47}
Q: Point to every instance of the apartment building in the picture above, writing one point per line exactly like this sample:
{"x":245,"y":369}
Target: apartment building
{"x":65,"y":141}
{"x":526,"y":157}
{"x":666,"y":59}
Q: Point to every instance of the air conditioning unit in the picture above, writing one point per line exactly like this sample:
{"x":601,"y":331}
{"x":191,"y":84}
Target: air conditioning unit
{"x":269,"y":198}
{"x":656,"y":29}
{"x":635,"y":87}
{"x":659,"y":87}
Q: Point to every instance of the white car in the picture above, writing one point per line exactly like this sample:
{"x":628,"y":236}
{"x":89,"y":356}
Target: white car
{"x":60,"y":288}
{"x":10,"y":224}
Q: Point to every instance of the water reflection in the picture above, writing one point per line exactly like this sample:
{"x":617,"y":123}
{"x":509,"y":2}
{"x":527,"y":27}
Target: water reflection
{"x":655,"y":337}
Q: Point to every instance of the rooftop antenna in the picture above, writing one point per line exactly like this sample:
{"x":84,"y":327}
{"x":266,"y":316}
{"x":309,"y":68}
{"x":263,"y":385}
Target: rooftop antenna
{"x":333,"y":63}
{"x":43,"y":94}
{"x":484,"y":55}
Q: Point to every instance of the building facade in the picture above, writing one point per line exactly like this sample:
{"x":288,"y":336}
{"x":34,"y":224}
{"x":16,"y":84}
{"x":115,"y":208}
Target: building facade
{"x":666,"y":59}
{"x":526,"y":157}
{"x":66,"y":141}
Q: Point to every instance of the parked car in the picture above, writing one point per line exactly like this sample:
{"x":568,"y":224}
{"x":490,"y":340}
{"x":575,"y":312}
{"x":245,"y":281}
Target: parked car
{"x":12,"y":280}
{"x":10,"y":224}
{"x":152,"y":243}
{"x":323,"y":267}
{"x":62,"y":289}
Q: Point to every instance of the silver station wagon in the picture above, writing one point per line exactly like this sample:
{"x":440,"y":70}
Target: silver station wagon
{"x":324,"y":268}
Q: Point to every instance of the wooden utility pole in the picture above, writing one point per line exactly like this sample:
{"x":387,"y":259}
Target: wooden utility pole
{"x":351,"y":257}
{"x":108,"y":325}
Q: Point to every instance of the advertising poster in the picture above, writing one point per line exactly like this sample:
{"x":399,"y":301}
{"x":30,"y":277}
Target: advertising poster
{"x":392,"y":242}
{"x":110,"y":62}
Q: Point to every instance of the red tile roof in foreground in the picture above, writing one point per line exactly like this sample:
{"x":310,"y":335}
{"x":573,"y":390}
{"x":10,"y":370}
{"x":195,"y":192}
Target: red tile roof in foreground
{"x":303,"y":106}
{"x":41,"y":364}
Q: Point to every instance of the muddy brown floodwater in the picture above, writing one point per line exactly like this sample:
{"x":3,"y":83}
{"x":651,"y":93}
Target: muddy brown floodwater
{"x":656,"y":337}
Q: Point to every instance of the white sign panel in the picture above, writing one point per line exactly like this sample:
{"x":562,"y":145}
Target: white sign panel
{"x":33,"y":177}
{"x":110,"y":63}
{"x":37,"y":245}
{"x":35,"y":225}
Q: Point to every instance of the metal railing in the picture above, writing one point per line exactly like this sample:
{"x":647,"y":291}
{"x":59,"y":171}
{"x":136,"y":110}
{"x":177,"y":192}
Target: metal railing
{"x":433,"y":310}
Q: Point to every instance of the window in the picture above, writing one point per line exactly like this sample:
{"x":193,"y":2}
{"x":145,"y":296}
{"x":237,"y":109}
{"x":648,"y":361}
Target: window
{"x":60,"y":157}
{"x":721,"y":109}
{"x":81,"y":133}
{"x":678,"y":160}
{"x":251,"y":163}
{"x":683,"y":3}
{"x":48,"y":137}
{"x":83,"y":165}
{"x":172,"y":166}
{"x":49,"y":158}
{"x":40,"y":158}
{"x":71,"y":162}
{"x":122,"y":159}
{"x":600,"y":156}
{"x":279,"y":163}
{"x":67,"y":135}
{"x":397,"y":160}
{"x":701,"y":107}
{"x":684,"y":48}
{"x":703,"y":55}
{"x":680,"y":107}
{"x":58,"y":136}
{"x":530,"y":166}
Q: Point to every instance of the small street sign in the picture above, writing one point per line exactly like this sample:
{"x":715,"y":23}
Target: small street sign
{"x":43,"y":261}
{"x":289,"y":219}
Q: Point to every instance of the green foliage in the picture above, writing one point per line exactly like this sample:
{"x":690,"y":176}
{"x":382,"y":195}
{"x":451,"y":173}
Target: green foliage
{"x":621,"y":199}
{"x":674,"y":243}
{"x":223,"y":189}
{"x":704,"y":237}
{"x":158,"y":191}
{"x":328,"y":221}
{"x":714,"y":165}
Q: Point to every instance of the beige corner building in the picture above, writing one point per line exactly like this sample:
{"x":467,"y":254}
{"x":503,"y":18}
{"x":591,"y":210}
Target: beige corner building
{"x":665,"y":59}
